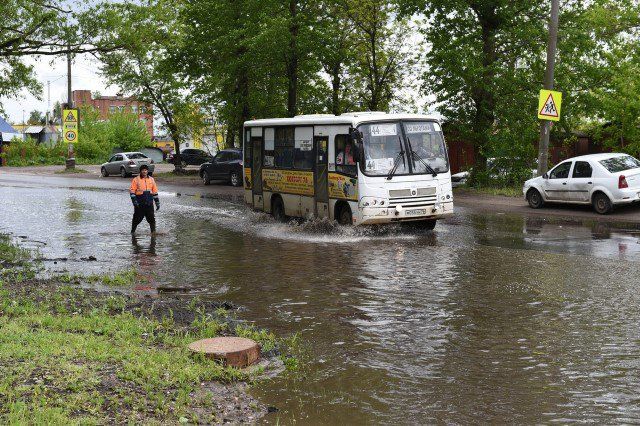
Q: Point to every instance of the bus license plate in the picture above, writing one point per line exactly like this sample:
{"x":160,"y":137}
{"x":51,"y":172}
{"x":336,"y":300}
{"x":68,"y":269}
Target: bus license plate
{"x":417,"y":212}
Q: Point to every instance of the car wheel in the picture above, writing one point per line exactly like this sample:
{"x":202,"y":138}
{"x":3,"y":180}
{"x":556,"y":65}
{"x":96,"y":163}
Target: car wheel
{"x":534,"y":198}
{"x":602,"y":203}
{"x":235,"y":179}
{"x":277,"y":210}
{"x":344,"y":216}
{"x":205,"y":178}
{"x":123,"y":172}
{"x":103,"y":172}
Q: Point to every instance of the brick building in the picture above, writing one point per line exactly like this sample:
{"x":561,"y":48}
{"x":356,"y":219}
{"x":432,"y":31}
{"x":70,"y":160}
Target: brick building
{"x":108,"y":105}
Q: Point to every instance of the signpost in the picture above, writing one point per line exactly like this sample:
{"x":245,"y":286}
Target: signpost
{"x":545,"y":124}
{"x":70,"y":132}
{"x":549,"y":105}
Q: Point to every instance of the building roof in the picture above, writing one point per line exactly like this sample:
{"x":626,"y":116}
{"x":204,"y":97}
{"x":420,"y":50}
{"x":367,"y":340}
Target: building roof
{"x":6,"y":127}
{"x":33,"y":129}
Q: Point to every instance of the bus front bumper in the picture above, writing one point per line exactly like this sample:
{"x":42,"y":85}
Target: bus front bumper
{"x":373,"y":215}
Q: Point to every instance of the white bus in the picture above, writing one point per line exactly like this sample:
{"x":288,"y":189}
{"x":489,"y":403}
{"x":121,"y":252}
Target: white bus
{"x":357,"y":168}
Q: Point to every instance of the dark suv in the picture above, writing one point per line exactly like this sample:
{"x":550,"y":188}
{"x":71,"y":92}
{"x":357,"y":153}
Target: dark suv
{"x":226,"y":165}
{"x":192,"y":157}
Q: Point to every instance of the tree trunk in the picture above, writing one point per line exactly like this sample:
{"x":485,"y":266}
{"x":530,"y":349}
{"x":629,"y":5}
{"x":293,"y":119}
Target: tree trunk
{"x":483,"y":97}
{"x":293,"y":60}
{"x":335,"y":89}
{"x":175,"y":135}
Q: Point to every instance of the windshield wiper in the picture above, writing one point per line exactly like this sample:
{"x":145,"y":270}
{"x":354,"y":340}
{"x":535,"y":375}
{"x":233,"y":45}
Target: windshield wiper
{"x":426,"y":166}
{"x":396,"y":163}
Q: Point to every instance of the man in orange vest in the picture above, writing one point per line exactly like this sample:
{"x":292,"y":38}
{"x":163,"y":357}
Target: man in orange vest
{"x":144,"y":193}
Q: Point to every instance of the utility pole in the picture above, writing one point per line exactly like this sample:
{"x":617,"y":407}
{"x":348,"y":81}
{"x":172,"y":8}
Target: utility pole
{"x":71,"y":161}
{"x":545,"y":125}
{"x":69,"y":98}
{"x":48,"y":102}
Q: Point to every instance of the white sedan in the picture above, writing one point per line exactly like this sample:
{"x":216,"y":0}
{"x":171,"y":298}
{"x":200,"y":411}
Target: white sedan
{"x":603,"y":180}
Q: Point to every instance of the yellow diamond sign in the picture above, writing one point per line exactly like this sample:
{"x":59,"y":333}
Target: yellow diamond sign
{"x":70,"y":125}
{"x":549,"y":105}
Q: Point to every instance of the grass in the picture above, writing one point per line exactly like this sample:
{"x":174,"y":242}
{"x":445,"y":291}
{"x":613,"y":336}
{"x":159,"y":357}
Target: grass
{"x":190,"y":173}
{"x":66,"y":171}
{"x":70,"y":355}
{"x":508,"y":191}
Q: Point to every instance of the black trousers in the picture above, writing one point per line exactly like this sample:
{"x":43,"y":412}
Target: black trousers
{"x":143,"y":212}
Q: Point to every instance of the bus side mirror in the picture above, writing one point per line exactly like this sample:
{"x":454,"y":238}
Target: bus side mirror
{"x":355,"y":134}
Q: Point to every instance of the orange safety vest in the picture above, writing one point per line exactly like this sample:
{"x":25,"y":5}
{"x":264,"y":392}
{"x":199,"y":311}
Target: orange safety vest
{"x":139,"y":186}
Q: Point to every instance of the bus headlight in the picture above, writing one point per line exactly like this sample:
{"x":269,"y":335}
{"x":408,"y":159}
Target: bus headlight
{"x":372,"y":201}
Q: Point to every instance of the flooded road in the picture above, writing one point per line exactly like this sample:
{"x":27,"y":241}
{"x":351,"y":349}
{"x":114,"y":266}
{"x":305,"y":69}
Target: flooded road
{"x":491,"y":318}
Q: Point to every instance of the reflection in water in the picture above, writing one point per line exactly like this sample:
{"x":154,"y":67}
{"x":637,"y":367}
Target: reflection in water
{"x":491,"y":318}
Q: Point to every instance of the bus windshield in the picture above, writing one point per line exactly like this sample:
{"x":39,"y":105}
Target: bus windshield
{"x":427,"y":144}
{"x":385,"y":145}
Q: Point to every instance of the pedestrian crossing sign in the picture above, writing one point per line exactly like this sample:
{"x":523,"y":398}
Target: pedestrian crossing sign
{"x":549,"y":105}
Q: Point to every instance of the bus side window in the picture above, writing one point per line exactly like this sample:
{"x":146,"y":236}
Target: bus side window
{"x":248,"y":159}
{"x":284,"y":147}
{"x":345,"y":159}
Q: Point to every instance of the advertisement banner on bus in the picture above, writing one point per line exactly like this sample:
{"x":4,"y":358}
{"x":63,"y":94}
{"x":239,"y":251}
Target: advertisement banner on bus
{"x":247,"y":178}
{"x":343,"y":187}
{"x":288,"y":181}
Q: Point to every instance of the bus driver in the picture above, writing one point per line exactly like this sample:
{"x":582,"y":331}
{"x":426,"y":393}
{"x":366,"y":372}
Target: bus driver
{"x":346,"y":157}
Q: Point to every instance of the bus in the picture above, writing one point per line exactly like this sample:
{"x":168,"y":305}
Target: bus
{"x":356,"y":168}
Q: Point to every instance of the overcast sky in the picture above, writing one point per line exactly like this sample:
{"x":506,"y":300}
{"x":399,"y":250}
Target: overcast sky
{"x":83,"y":76}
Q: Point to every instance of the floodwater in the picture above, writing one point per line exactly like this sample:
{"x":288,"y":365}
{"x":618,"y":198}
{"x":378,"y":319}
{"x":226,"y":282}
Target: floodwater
{"x":490,"y":318}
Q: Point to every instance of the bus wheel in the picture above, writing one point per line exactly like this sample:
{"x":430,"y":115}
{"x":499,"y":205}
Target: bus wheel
{"x":277,"y":210}
{"x":344,"y":215}
{"x":429,"y":225}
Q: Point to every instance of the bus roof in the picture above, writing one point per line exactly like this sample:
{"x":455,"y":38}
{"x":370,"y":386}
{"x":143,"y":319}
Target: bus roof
{"x":350,"y":118}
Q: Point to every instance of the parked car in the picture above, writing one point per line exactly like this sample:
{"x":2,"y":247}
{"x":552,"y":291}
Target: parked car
{"x":190,"y":157}
{"x":126,"y":164}
{"x":603,"y":180}
{"x":497,"y":169}
{"x":459,"y":179}
{"x":226,"y":165}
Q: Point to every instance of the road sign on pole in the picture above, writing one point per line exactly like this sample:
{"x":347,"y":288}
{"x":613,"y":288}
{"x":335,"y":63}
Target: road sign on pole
{"x":70,"y":125}
{"x":549,"y":105}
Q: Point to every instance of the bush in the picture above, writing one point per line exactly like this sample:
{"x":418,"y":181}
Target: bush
{"x":29,"y":153}
{"x":98,"y":138}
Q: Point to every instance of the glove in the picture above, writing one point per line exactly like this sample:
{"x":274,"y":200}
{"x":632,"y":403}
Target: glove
{"x":157,"y":204}
{"x":134,"y":200}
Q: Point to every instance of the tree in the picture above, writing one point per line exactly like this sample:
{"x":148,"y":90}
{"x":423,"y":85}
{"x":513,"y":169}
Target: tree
{"x":380,"y":62}
{"x":221,"y":58}
{"x":336,"y":53}
{"x":483,"y":64}
{"x":144,"y":67}
{"x":35,"y":117}
{"x":39,"y":28}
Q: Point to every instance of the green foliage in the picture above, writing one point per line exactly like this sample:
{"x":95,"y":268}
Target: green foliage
{"x":144,"y":67}
{"x":29,"y":153}
{"x":36,"y":117}
{"x":98,"y":139}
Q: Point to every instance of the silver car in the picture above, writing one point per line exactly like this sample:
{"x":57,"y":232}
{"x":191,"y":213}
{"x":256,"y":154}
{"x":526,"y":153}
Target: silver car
{"x":126,"y":164}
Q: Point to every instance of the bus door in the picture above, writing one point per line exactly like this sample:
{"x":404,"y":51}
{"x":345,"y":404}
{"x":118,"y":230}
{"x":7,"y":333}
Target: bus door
{"x":256,"y":169}
{"x":321,"y":175}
